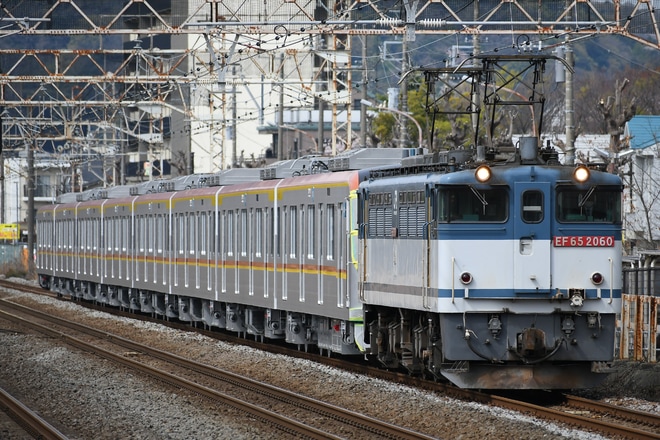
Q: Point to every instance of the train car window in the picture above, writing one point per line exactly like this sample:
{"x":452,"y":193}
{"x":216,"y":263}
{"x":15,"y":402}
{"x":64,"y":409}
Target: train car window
{"x":270,"y":235}
{"x":293,"y":231}
{"x":258,"y":228}
{"x":321,"y":232}
{"x":244,"y":232}
{"x":467,"y":204}
{"x":159,"y":234}
{"x":126,"y":229}
{"x":593,"y":205}
{"x":203,"y":233}
{"x":230,"y":233}
{"x":83,"y":231}
{"x":178,"y":239}
{"x":151,"y":233}
{"x":140,"y":233}
{"x":213,"y":234}
{"x":303,"y":232}
{"x":330,"y":246}
{"x":311,"y":232}
{"x":97,"y":235}
{"x":532,"y":206}
{"x":193,"y":234}
{"x":86,"y":234}
{"x":119,"y":237}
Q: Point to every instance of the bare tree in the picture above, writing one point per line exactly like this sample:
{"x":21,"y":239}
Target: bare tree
{"x":616,"y":115}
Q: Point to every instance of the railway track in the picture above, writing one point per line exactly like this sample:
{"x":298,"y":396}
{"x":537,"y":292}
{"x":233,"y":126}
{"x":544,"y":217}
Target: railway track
{"x":576,"y":412}
{"x":289,"y":412}
{"x":617,"y":415}
{"x":591,"y":415}
{"x":29,"y":420}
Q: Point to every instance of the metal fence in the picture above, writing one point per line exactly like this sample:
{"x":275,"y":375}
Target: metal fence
{"x":13,"y":253}
{"x":639,"y":324}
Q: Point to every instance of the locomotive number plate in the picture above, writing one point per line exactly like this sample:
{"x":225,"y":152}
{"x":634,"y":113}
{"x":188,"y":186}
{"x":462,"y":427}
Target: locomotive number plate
{"x":584,"y":241}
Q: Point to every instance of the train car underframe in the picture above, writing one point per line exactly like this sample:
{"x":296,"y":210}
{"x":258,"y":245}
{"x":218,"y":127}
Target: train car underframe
{"x":303,"y":330}
{"x":495,"y":350}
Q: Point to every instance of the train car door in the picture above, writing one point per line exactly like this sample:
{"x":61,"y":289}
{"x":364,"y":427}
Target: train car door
{"x":532,"y":238}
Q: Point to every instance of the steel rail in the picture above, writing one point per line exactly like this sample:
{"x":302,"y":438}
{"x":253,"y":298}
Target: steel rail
{"x":575,"y":419}
{"x":30,"y":421}
{"x":283,"y":423}
{"x":634,"y":416}
{"x":360,"y":421}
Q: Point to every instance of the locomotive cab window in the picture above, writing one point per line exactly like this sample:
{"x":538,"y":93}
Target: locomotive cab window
{"x":532,"y":206}
{"x":465,"y":203}
{"x":592,"y":205}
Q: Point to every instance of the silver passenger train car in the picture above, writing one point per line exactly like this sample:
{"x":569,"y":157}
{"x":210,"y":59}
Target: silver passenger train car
{"x":502,"y":276}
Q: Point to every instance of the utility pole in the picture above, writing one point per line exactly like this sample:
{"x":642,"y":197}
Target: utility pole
{"x":280,"y":114}
{"x":234,"y":115}
{"x":403,"y":133}
{"x":409,"y":35}
{"x":31,"y":146}
{"x":476,"y":98}
{"x":363,"y":108}
{"x":569,"y":109}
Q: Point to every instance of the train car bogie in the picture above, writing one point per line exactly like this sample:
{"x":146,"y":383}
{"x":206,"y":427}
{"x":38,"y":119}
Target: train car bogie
{"x":301,"y":329}
{"x":236,"y":318}
{"x":214,"y":314}
{"x":275,"y":324}
{"x":145,"y":301}
{"x":165,"y":305}
{"x":255,"y":322}
{"x":337,"y":336}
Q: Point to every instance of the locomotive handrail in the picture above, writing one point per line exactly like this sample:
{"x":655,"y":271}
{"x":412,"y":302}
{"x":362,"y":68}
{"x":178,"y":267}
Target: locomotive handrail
{"x":427,"y":265}
{"x":453,"y":278}
{"x":611,"y":279}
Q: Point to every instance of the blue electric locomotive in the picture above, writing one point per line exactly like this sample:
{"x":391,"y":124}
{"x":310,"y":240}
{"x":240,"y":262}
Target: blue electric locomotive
{"x":495,"y":277}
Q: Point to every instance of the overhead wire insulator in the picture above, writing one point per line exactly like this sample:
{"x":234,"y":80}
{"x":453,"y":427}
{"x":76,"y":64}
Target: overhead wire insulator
{"x":435,"y":23}
{"x":390,"y":21}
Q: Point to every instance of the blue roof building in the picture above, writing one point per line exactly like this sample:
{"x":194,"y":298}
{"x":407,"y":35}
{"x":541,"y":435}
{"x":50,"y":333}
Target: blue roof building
{"x":643,"y":131}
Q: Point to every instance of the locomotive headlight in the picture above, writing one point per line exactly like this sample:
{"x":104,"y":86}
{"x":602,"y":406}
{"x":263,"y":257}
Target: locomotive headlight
{"x":581,"y":174}
{"x":483,"y":173}
{"x":597,"y":278}
{"x":466,"y":278}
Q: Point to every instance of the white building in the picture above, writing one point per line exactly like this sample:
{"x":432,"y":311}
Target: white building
{"x":642,"y":177}
{"x":253,"y":77}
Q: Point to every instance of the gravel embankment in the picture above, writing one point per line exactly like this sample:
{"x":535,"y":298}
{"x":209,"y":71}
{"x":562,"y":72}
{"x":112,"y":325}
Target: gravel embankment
{"x":91,"y":398}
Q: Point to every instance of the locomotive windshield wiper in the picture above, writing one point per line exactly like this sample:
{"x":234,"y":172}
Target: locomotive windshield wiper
{"x":481,"y":198}
{"x":586,"y":197}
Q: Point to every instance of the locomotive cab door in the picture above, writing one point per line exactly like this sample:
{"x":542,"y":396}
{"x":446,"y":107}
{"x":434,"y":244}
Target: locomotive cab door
{"x":531,"y":238}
